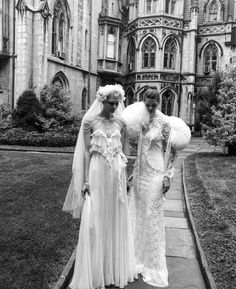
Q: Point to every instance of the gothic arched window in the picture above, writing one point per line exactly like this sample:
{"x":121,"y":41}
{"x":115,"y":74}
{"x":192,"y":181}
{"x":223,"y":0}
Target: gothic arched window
{"x":4,"y":30}
{"x":131,"y":56}
{"x":84,"y":100}
{"x":210,"y":58}
{"x":60,"y":29}
{"x":130,"y":97}
{"x":170,"y":54}
{"x":167,"y":105}
{"x":149,"y":53}
{"x":213,"y":11}
{"x":61,"y":80}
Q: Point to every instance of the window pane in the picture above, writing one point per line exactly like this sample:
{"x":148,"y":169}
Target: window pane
{"x":165,"y":60}
{"x":210,"y":58}
{"x":173,"y":7}
{"x":213,"y":11}
{"x":148,"y":6}
{"x":111,"y":46}
{"x":213,"y":65}
{"x":145,"y":60}
{"x":152,"y":64}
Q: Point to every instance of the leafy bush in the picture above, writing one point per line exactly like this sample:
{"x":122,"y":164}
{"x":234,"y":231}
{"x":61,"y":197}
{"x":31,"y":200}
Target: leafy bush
{"x":5,"y":117}
{"x":27,"y":111}
{"x":19,"y":136}
{"x":44,"y":122}
{"x":205,"y":101}
{"x":221,"y":131}
{"x":56,"y":109}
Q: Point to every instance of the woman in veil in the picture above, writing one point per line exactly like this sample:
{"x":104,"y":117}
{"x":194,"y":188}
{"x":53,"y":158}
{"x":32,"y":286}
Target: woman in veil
{"x":98,"y":195}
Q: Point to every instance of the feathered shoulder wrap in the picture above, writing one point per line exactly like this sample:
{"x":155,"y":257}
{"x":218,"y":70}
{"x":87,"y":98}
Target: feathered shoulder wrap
{"x":137,"y":116}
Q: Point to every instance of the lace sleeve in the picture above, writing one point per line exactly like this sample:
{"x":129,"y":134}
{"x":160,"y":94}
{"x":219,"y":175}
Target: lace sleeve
{"x":170,"y":170}
{"x":124,"y":137}
{"x":172,"y":154}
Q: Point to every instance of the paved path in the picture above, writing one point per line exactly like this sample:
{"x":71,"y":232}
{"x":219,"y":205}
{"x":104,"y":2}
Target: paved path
{"x":183,"y":266}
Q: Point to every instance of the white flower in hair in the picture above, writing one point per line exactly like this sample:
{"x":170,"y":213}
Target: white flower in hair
{"x":104,"y":91}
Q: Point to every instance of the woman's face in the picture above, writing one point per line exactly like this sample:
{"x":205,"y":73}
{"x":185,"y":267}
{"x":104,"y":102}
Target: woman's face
{"x":151,"y":105}
{"x":111,"y":103}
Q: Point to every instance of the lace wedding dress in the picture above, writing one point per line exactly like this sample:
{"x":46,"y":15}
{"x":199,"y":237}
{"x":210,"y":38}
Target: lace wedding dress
{"x":146,"y":201}
{"x":105,"y":251}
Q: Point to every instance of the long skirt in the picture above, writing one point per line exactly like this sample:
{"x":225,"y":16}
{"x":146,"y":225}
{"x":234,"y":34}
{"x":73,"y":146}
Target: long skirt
{"x":105,"y":251}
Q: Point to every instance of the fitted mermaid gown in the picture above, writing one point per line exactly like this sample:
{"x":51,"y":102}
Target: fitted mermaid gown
{"x":147,"y":201}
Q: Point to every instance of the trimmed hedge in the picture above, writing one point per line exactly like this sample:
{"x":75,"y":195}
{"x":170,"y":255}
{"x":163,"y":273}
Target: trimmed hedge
{"x":18,"y":136}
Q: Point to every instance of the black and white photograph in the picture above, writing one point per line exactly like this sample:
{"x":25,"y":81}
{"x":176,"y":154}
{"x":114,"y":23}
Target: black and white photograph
{"x":117,"y":144}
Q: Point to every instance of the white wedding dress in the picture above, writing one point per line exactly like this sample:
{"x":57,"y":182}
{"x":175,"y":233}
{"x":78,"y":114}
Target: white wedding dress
{"x":105,"y":251}
{"x":146,"y":202}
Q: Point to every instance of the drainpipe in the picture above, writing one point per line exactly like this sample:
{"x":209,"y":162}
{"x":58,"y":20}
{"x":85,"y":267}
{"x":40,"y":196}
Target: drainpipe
{"x":90,"y":51}
{"x":13,"y":56}
{"x":180,"y":72}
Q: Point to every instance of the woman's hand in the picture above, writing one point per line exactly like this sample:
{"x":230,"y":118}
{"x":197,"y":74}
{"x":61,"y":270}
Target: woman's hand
{"x":85,"y":189}
{"x":166,"y":184}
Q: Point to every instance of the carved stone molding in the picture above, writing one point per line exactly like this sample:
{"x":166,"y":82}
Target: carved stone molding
{"x":202,"y":81}
{"x":21,"y":6}
{"x":154,"y":22}
{"x":45,"y":10}
{"x":187,"y":25}
{"x":214,"y":29}
{"x":148,"y":76}
{"x":157,"y":76}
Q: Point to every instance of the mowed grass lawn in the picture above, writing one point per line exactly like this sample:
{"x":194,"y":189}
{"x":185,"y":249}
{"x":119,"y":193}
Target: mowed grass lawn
{"x":36,"y":237}
{"x":211,"y":187}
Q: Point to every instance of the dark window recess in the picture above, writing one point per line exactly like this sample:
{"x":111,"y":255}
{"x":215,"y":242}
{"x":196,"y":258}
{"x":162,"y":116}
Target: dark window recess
{"x":233,"y":36}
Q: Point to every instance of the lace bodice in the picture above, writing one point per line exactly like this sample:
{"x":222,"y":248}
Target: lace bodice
{"x":154,"y":137}
{"x":105,"y":137}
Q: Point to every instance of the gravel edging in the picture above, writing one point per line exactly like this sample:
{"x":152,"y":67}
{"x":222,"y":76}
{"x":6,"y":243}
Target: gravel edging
{"x":208,"y":278}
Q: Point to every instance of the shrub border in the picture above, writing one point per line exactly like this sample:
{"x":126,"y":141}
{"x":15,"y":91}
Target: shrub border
{"x":207,"y":275}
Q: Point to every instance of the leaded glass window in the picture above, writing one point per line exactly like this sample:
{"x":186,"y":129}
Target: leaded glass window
{"x":170,"y":54}
{"x":149,"y":53}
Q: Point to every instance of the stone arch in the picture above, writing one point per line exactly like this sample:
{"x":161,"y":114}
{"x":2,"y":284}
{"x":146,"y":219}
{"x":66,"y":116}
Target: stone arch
{"x":84,"y":99}
{"x":168,"y":100}
{"x":61,"y":78}
{"x":210,"y":55}
{"x":61,"y":23}
{"x":208,"y":43}
{"x":130,"y":96}
{"x":131,"y":55}
{"x":65,"y":4}
{"x":172,"y":36}
{"x":142,"y":40}
{"x":140,"y":92}
{"x":208,"y":7}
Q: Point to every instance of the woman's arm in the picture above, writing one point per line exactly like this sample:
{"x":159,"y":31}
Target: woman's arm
{"x":124,"y":139}
{"x":87,"y":140}
{"x":170,"y":157}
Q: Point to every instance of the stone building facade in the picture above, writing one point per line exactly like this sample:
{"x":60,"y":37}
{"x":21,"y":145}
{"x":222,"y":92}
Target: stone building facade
{"x":172,"y":45}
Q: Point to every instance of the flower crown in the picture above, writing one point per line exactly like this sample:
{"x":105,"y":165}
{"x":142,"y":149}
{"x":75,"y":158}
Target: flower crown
{"x":104,"y":91}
